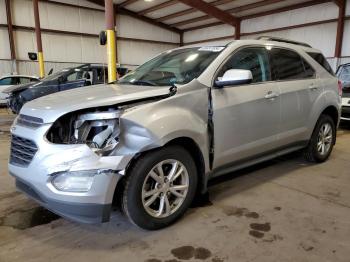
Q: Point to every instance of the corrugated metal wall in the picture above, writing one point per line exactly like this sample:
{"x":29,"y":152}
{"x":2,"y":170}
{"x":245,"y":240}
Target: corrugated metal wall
{"x":319,"y":36}
{"x":68,"y":50}
{"x":62,"y":50}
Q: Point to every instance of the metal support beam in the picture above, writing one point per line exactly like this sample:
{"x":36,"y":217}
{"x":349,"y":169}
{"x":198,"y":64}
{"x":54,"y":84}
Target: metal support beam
{"x":190,"y":10}
{"x":11,"y":38}
{"x":340,"y":30}
{"x":157,"y":7}
{"x":181,"y":38}
{"x":111,"y":46}
{"x":265,"y":13}
{"x":38,"y":39}
{"x":121,"y":10}
{"x":238,"y":31}
{"x":211,"y":11}
{"x":234,"y":10}
{"x":127,"y":2}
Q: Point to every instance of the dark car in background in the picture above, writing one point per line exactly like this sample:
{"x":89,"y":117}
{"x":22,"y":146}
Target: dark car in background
{"x":13,"y":80}
{"x":343,"y":74}
{"x":65,"y":79}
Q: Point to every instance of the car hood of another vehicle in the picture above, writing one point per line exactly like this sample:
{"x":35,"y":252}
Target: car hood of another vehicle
{"x":17,"y":88}
{"x":51,"y":107}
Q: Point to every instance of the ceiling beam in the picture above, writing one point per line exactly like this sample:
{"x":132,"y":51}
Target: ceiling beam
{"x":212,"y":11}
{"x":122,"y":10}
{"x":190,"y":10}
{"x":127,"y":2}
{"x":286,"y":8}
{"x":232,"y":10}
{"x":270,"y":12}
{"x":253,"y":5}
{"x":157,"y":7}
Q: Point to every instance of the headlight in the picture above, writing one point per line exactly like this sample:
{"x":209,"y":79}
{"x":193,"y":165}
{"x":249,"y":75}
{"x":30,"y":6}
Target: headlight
{"x":99,"y":130}
{"x":79,"y":181}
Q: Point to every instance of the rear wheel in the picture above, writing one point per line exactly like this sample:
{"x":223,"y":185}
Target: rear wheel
{"x":160,"y":187}
{"x":322,"y":140}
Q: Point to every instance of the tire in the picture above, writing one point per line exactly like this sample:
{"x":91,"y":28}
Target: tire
{"x":312,"y":152}
{"x":139,"y":178}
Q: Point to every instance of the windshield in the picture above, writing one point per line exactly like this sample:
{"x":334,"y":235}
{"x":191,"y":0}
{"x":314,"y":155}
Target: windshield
{"x":56,"y":75}
{"x":173,"y":67}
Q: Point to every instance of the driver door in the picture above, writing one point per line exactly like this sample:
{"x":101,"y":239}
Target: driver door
{"x":246,"y":117}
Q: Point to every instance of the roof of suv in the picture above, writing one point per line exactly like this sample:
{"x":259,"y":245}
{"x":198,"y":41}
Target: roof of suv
{"x":267,"y":40}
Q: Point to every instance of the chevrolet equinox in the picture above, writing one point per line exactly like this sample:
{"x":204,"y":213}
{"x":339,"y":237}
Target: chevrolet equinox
{"x":155,"y":137}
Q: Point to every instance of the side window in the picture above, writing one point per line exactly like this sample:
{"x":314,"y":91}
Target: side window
{"x":78,"y":75}
{"x":319,"y":58}
{"x":254,"y":59}
{"x":24,"y":80}
{"x":100,"y":75}
{"x":5,"y":81}
{"x":309,"y":71}
{"x":288,"y":65}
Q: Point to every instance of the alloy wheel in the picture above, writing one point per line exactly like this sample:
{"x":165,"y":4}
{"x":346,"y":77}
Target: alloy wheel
{"x":165,"y":188}
{"x":325,"y":139}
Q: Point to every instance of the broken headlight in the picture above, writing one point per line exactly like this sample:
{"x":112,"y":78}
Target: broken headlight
{"x":99,"y":130}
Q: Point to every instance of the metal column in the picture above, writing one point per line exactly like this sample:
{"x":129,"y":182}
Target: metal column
{"x":38,"y":39}
{"x":111,"y":43}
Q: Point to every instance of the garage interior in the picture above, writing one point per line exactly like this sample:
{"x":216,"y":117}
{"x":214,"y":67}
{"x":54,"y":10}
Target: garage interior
{"x":284,"y":209}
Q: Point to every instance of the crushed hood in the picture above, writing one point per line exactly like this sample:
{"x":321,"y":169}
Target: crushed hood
{"x":51,"y":107}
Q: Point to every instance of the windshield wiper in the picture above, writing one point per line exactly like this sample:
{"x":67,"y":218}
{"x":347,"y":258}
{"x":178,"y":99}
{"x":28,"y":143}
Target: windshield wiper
{"x":136,"y":82}
{"x":143,"y":83}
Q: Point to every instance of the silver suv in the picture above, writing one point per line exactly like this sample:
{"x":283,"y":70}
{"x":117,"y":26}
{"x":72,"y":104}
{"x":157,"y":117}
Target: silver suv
{"x":160,"y":133}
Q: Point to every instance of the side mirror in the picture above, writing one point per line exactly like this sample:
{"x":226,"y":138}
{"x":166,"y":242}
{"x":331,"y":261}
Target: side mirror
{"x":50,"y":72}
{"x":103,"y":37}
{"x":235,"y":77}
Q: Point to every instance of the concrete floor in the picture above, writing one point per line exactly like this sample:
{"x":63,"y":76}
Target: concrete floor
{"x":283,"y":210}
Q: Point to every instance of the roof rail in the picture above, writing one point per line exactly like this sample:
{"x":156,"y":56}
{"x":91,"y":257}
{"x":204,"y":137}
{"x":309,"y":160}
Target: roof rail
{"x":279,"y":39}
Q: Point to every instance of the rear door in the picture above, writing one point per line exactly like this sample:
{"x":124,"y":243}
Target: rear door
{"x":299,"y":90}
{"x":246,"y":117}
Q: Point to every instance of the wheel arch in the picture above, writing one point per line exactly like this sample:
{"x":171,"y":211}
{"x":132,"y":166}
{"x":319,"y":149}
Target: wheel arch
{"x":332,"y":112}
{"x":189,"y":145}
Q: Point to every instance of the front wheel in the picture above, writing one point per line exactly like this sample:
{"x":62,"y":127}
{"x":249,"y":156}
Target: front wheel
{"x":160,"y":186}
{"x":322,"y":140}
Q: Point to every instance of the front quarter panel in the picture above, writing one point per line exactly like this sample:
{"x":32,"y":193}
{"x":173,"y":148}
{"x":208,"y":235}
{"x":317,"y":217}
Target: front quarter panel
{"x":153,"y":125}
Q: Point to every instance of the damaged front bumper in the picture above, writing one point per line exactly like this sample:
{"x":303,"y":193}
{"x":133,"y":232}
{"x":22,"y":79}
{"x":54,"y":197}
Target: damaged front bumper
{"x":35,"y":171}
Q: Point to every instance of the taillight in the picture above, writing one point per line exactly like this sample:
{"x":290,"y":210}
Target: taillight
{"x":340,"y":88}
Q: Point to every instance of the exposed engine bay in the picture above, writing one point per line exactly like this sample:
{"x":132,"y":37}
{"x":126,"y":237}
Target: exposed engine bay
{"x":99,"y":130}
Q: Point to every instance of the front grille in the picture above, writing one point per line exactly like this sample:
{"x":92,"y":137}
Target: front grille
{"x":22,"y":151}
{"x":29,"y":121}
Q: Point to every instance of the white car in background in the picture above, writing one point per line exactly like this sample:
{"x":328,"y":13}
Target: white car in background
{"x":10,"y":80}
{"x":343,"y":74}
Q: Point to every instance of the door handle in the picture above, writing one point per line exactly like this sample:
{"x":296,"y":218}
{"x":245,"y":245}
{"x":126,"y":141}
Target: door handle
{"x":271,"y":95}
{"x":313,"y":87}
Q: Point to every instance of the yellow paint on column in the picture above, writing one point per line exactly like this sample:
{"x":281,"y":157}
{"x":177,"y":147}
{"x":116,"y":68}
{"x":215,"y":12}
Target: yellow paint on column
{"x":111,"y":56}
{"x":41,"y":64}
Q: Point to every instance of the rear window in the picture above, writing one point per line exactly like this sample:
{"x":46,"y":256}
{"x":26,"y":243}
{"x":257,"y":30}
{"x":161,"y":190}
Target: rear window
{"x":289,"y":65}
{"x":319,"y":58}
